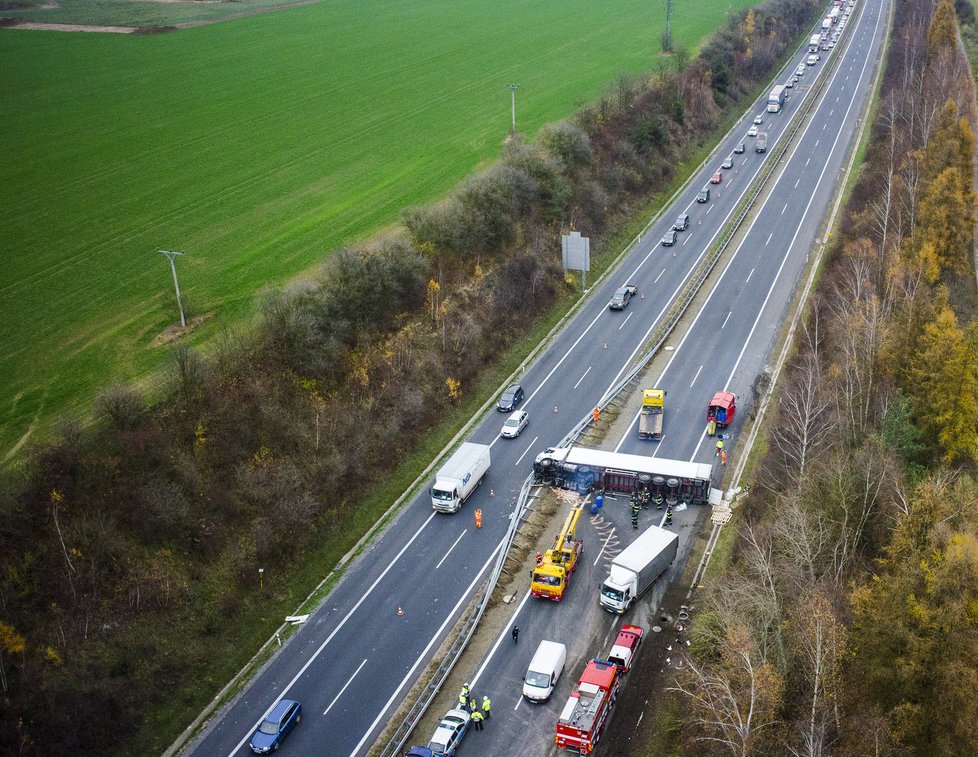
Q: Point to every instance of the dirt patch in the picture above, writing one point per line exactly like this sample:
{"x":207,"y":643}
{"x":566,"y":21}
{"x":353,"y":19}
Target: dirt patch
{"x":171,"y":333}
{"x":16,"y":23}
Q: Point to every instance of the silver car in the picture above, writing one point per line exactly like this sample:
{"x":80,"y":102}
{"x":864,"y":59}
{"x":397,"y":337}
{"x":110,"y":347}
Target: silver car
{"x":515,"y":424}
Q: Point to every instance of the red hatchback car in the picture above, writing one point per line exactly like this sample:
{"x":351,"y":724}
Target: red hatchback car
{"x":717,"y":177}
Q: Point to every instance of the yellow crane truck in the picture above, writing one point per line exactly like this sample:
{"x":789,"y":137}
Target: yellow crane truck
{"x":553,"y":570}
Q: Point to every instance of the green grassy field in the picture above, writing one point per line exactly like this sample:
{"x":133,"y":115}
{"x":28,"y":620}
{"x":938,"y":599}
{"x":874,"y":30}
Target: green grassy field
{"x":136,"y":12}
{"x":256,"y":146}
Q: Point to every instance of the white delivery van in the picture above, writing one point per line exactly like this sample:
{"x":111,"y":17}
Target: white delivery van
{"x":544,"y":671}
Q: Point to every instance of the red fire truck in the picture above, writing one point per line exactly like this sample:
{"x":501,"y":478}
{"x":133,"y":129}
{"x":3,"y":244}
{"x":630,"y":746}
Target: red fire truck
{"x":586,"y":712}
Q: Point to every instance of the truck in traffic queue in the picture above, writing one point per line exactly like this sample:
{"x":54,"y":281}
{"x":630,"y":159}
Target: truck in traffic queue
{"x":775,"y":100}
{"x":459,"y":477}
{"x":636,"y":567}
{"x":553,"y":570}
{"x":626,"y":646}
{"x":586,"y":712}
{"x":814,"y":42}
{"x":653,"y":410}
{"x":761,"y":144}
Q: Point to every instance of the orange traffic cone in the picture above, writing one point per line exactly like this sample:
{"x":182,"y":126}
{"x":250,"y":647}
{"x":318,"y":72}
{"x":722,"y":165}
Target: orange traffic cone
{"x":400,"y":612}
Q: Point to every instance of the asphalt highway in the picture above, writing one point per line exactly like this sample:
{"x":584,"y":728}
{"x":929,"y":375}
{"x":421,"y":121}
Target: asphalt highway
{"x":355,"y":658}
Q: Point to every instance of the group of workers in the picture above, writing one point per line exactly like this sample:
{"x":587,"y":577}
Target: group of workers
{"x":468,"y":701}
{"x":640,"y":499}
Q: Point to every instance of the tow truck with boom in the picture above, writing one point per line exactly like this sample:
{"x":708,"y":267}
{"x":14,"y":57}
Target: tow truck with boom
{"x":553,"y":571}
{"x":586,"y":712}
{"x":653,"y":408}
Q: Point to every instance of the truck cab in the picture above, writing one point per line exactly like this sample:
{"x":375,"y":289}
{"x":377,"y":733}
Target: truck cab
{"x":554,"y":569}
{"x":650,"y":419}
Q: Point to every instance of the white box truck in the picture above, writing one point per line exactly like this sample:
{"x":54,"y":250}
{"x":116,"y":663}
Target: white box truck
{"x":636,"y":568}
{"x":775,"y":100}
{"x":459,"y":477}
{"x":813,"y":43}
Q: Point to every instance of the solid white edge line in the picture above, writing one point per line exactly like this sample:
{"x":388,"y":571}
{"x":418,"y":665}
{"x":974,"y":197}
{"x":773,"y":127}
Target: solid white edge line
{"x":424,"y":653}
{"x":329,"y":638}
{"x":502,"y":635}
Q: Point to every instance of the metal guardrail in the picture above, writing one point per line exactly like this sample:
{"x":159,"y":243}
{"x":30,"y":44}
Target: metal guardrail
{"x":694,"y":285}
{"x":454,"y":653}
{"x":692,"y":288}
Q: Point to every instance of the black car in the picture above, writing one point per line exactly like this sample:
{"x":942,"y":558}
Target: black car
{"x":511,"y":399}
{"x":669,"y":239}
{"x":704,"y":195}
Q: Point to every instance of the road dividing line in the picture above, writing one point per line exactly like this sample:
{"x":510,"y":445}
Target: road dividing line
{"x":659,"y":276}
{"x":626,"y":320}
{"x":502,"y":635}
{"x":797,"y":182}
{"x":784,"y":208}
{"x":424,"y":654}
{"x":695,"y":377}
{"x":582,"y":377}
{"x":688,"y":238}
{"x":726,"y":319}
{"x":337,"y":697}
{"x":336,"y":630}
{"x":448,"y":553}
{"x":769,"y":239}
{"x":527,"y":450}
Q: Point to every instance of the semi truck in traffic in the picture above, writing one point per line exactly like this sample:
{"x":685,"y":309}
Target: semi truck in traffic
{"x":814,"y":42}
{"x":588,"y":707}
{"x":776,"y":98}
{"x":653,"y":410}
{"x":459,"y":477}
{"x":635,"y":569}
{"x":761,"y":144}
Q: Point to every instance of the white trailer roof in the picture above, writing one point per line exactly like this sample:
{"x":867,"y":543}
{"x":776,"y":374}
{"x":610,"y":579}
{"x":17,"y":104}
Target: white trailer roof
{"x":599,"y":458}
{"x":637,"y":554}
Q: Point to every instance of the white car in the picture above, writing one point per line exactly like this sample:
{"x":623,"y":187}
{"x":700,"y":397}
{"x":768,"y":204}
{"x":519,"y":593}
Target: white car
{"x":752,"y":131}
{"x":758,"y":120}
{"x":515,"y":424}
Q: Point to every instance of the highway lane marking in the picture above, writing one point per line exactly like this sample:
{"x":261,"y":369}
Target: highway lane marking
{"x":695,"y":377}
{"x":336,"y":630}
{"x":784,"y":208}
{"x":784,"y":260}
{"x":688,"y":237}
{"x":709,"y":209}
{"x":832,"y":111}
{"x":825,"y":126}
{"x":797,"y":183}
{"x":806,"y":163}
{"x":723,"y":274}
{"x":769,"y":239}
{"x":749,"y":275}
{"x":601,"y":552}
{"x":726,"y":319}
{"x":502,"y":634}
{"x":816,"y":143}
{"x":586,"y":372}
{"x":626,"y":320}
{"x":337,"y":697}
{"x":532,"y":443}
{"x":424,"y":653}
{"x":659,"y":276}
{"x":448,"y":553}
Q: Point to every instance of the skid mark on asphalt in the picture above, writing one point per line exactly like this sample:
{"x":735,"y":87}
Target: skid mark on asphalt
{"x":607,"y":536}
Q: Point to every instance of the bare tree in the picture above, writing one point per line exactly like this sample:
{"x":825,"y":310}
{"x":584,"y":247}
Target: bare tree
{"x":803,"y":535}
{"x":805,"y":421}
{"x":733,"y":705}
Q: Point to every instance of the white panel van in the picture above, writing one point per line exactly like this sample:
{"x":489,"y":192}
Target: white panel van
{"x":544,"y":671}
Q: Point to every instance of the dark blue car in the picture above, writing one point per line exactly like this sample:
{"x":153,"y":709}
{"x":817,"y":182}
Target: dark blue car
{"x":276,"y":726}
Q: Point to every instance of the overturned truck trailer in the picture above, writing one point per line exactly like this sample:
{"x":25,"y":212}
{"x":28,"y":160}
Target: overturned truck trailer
{"x":586,"y":469}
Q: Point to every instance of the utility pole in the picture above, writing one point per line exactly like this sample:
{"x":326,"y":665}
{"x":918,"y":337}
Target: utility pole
{"x":668,"y":40}
{"x":512,"y":88}
{"x":171,"y":255}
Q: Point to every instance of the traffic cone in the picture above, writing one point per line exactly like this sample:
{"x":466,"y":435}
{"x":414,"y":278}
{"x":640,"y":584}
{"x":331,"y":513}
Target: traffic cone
{"x":605,"y":345}
{"x":555,"y":408}
{"x":492,"y":493}
{"x":400,"y":612}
